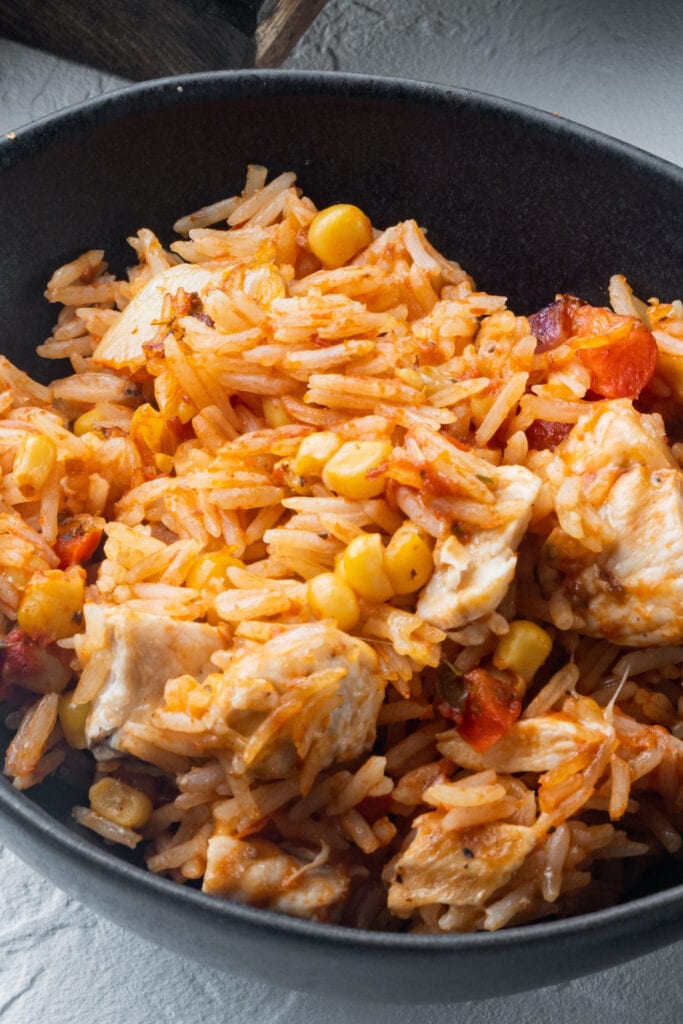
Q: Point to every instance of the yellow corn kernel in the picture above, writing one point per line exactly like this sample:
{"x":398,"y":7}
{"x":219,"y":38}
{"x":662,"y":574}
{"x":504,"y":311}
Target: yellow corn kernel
{"x":52,"y":605}
{"x":329,"y":597}
{"x":33,"y":464}
{"x":357,"y":470}
{"x":275,"y":413}
{"x":163,"y":462}
{"x":120,"y":803}
{"x":72,"y":718}
{"x":408,"y":560}
{"x":88,"y":421}
{"x":211,"y":566}
{"x":364,"y":568}
{"x":314,"y":452}
{"x":337,"y":233}
{"x":523,"y":649}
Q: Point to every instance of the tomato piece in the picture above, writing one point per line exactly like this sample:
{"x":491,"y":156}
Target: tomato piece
{"x":78,"y":539}
{"x":619,"y":352}
{"x":621,"y":355}
{"x":374,"y":807}
{"x":624,"y":368}
{"x":24,"y":662}
{"x":490,"y":710}
{"x":543,"y":434}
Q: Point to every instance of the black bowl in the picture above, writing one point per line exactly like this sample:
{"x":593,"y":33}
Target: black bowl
{"x":531,"y":205}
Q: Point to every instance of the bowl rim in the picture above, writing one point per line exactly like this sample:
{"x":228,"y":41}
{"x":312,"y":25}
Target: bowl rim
{"x":25,"y":138}
{"x":32,"y":138}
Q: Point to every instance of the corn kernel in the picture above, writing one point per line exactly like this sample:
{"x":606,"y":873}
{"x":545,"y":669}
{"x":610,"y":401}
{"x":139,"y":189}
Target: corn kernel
{"x":275,"y":413}
{"x":88,"y":421}
{"x":329,"y":597}
{"x":364,"y":568}
{"x":357,"y":470}
{"x":523,"y":649}
{"x":211,"y":566}
{"x":408,"y":560}
{"x":72,"y":718}
{"x":120,"y":803}
{"x":163,"y":462}
{"x":314,"y":452}
{"x":337,"y":233}
{"x":33,"y":464}
{"x":52,"y":605}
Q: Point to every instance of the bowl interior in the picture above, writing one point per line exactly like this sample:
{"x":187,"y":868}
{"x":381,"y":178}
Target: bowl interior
{"x":529,"y":204}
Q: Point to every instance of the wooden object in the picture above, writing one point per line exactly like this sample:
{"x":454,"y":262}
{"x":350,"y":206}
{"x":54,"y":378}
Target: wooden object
{"x":143,"y":39}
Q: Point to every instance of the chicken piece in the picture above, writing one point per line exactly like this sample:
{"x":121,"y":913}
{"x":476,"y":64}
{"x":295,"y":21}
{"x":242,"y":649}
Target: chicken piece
{"x":258,"y":872}
{"x":471,"y":578}
{"x":622,"y":568}
{"x":457,"y":868}
{"x":534,"y":744}
{"x":139,"y":653}
{"x":121,"y":346}
{"x":312,"y":693}
{"x":613,"y":437}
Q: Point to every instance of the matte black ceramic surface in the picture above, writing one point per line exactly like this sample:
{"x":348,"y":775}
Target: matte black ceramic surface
{"x":530,"y":205}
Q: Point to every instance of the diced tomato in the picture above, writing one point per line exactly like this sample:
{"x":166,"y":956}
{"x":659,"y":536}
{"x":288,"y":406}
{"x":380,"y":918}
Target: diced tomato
{"x":374,"y":807}
{"x":619,"y":352}
{"x":490,"y":709}
{"x":543,"y":434}
{"x":21,"y":656}
{"x":42,"y":668}
{"x":622,"y":369}
{"x":78,"y":539}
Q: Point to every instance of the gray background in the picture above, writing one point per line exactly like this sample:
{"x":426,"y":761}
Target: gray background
{"x":608,"y":64}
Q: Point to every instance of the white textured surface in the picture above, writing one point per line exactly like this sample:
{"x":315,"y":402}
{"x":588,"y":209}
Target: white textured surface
{"x":610,"y":64}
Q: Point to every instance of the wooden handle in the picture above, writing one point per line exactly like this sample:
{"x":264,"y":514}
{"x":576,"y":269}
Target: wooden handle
{"x":161,"y":37}
{"x":278,"y":34}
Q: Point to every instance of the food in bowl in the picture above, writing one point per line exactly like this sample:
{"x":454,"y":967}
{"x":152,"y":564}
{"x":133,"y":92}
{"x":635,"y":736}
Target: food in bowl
{"x":344,"y":590}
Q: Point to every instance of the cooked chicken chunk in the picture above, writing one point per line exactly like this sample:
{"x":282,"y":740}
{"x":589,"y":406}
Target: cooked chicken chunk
{"x":137,"y":654}
{"x":311,"y":693}
{"x":620,"y":559}
{"x":258,"y":872}
{"x":457,"y":868}
{"x":121,"y":346}
{"x":471,"y":578}
{"x":613,"y":436}
{"x":533,"y":744}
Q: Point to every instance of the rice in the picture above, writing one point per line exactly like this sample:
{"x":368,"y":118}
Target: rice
{"x":355,"y":746}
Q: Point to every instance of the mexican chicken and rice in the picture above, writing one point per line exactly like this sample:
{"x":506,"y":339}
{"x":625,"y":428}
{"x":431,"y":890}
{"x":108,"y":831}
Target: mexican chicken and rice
{"x":345,"y":590}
